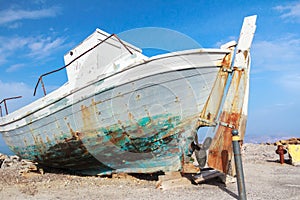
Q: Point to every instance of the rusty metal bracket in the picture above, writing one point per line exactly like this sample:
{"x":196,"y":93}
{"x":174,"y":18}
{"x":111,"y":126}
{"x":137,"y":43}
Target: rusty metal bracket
{"x":237,"y":69}
{"x":234,"y":111}
{"x":5,"y":105}
{"x":227,"y":125}
{"x":224,"y":69}
{"x":281,"y":151}
{"x":40,"y":80}
{"x":208,"y":122}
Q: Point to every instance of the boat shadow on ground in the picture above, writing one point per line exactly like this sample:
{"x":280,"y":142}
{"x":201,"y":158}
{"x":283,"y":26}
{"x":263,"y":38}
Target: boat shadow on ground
{"x":286,"y":161}
{"x":216,"y":182}
{"x":141,"y":176}
{"x":222,"y":186}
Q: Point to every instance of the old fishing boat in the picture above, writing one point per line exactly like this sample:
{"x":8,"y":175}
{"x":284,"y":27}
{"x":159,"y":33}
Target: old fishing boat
{"x":121,"y":111}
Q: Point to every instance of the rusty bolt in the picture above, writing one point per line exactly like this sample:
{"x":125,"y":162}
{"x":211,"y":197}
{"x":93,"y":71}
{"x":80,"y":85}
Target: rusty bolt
{"x":281,"y":151}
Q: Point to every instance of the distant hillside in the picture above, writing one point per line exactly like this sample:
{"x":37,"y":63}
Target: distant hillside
{"x":256,"y":139}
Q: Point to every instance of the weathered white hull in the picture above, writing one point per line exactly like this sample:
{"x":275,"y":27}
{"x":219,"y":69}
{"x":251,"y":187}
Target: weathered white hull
{"x":153,"y":101}
{"x":123,"y":112}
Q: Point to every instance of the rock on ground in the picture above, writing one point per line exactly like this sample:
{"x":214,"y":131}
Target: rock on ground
{"x":265,"y":179}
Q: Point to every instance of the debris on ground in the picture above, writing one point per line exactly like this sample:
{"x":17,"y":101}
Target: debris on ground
{"x":291,"y":147}
{"x":265,"y":179}
{"x":285,"y":142}
{"x":22,"y":166}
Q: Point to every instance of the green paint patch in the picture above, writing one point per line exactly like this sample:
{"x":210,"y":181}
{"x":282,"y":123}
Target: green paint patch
{"x":158,"y":135}
{"x":147,"y":135}
{"x":62,"y":103}
{"x":99,"y":82}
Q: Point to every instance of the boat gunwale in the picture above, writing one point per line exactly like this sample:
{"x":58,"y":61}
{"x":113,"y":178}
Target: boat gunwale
{"x":87,"y":97}
{"x":74,"y":90}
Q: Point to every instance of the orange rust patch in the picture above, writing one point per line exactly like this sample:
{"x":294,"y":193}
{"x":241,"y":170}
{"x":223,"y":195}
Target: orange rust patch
{"x":130,"y":116}
{"x":220,"y":152}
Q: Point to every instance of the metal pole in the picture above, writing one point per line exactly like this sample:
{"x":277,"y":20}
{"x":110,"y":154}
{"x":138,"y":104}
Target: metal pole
{"x":5,"y":106}
{"x":281,"y":151}
{"x":43,"y":86}
{"x":238,"y":165}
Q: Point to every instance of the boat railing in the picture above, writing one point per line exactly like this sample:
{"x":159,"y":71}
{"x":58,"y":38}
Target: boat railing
{"x":5,"y":105}
{"x":40,"y":80}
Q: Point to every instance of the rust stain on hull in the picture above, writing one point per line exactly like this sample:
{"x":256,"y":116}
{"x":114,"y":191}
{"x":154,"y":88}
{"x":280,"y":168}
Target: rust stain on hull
{"x":220,"y":152}
{"x":82,"y":132}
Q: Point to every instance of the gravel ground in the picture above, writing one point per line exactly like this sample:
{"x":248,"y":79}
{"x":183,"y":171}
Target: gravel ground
{"x":265,"y":179}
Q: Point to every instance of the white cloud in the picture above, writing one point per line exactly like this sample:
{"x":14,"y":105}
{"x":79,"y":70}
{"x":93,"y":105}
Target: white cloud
{"x":14,"y":67}
{"x":15,"y":25}
{"x":36,"y":48}
{"x":276,"y":55}
{"x":224,"y":41}
{"x":2,"y":58}
{"x":277,"y":62}
{"x":290,"y":11}
{"x":39,"y":1}
{"x":291,"y":82}
{"x":42,"y":47}
{"x":12,"y":15}
{"x":11,"y":89}
{"x":8,"y":46}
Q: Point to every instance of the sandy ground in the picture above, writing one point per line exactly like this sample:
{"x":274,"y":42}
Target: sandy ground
{"x":265,"y":179}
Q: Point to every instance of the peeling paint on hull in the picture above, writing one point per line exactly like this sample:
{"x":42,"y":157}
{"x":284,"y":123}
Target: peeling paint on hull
{"x":91,"y":136}
{"x":123,"y":112}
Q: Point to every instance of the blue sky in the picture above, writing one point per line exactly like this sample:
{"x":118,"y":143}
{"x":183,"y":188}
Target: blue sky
{"x":35,"y":34}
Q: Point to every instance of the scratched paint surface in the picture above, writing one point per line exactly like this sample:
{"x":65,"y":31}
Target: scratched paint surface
{"x":120,"y":129}
{"x":139,"y":120}
{"x":235,"y":109}
{"x":133,"y":118}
